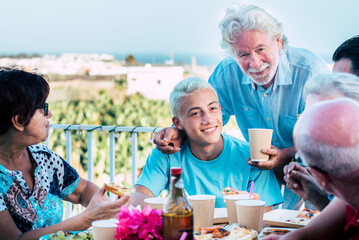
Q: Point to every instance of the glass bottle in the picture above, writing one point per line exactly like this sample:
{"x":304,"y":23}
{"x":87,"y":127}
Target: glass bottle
{"x":177,"y":216}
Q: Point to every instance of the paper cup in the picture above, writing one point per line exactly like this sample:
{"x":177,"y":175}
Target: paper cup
{"x":155,"y":203}
{"x":250,"y":214}
{"x":231,"y":205}
{"x":104,"y":229}
{"x":203,"y":210}
{"x":258,"y":139}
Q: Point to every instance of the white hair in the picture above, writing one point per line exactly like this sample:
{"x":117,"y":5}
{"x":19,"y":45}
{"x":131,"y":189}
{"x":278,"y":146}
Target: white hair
{"x":185,"y":88}
{"x":329,"y":83}
{"x":336,"y":161}
{"x":239,"y":18}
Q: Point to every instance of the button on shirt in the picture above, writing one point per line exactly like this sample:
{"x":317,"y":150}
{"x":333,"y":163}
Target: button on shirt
{"x":275,"y":108}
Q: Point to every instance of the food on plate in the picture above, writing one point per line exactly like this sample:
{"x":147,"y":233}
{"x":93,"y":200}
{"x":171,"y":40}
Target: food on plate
{"x":275,"y":231}
{"x":203,"y":237}
{"x":307,"y":213}
{"x":117,"y":189}
{"x":69,"y":235}
{"x":217,"y":232}
{"x":243,"y":234}
{"x":304,"y":216}
{"x":231,"y":191}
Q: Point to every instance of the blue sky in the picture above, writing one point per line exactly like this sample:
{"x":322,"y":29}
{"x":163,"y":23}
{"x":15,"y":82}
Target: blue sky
{"x":161,"y":26}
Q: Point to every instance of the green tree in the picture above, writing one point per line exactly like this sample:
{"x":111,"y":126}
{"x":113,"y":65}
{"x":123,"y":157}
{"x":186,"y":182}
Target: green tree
{"x":131,"y":110}
{"x":130,"y":60}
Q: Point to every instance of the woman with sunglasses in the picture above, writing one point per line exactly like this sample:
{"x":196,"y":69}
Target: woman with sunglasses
{"x":33,"y":179}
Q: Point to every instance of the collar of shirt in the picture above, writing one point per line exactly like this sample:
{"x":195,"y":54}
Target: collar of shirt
{"x":283,"y":76}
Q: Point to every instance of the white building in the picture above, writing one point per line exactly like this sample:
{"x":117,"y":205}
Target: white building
{"x":153,"y":82}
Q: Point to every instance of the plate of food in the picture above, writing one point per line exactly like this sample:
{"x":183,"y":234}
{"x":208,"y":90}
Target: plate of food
{"x":231,"y":191}
{"x":289,"y":218}
{"x":274,"y":231}
{"x":67,"y":235}
{"x":232,"y":232}
{"x":226,"y":191}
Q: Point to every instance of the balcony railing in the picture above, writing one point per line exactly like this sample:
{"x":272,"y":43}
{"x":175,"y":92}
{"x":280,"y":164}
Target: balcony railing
{"x":112,"y":130}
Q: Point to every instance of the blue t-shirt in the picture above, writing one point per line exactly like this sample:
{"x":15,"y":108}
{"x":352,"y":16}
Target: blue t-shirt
{"x":55,"y":180}
{"x":229,"y":169}
{"x":276,"y":108}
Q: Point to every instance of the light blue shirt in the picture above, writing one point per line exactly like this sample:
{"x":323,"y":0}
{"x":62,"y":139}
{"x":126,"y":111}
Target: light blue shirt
{"x":276,"y":108}
{"x":229,"y":169}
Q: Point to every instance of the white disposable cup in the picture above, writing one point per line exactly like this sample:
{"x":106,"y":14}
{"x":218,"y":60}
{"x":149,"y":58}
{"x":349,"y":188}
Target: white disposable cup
{"x":231,"y":205}
{"x":155,"y":203}
{"x":259,"y":138}
{"x":250,"y":214}
{"x":104,"y":229}
{"x":203,"y":210}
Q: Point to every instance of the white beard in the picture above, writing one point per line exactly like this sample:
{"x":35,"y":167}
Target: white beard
{"x":263,"y":79}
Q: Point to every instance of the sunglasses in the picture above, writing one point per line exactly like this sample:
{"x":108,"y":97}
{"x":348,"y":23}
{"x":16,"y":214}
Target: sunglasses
{"x":45,"y":107}
{"x":299,"y":160}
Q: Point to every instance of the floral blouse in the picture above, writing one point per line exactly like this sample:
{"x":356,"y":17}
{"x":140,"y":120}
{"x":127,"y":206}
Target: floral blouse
{"x":55,"y":180}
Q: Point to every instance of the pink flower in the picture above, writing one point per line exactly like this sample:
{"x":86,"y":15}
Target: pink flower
{"x":151,"y":216}
{"x":134,"y":224}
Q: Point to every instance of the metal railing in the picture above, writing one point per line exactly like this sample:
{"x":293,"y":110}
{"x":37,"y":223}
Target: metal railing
{"x":68,"y":128}
{"x":112,"y":130}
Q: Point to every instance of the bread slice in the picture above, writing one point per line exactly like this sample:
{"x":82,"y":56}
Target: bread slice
{"x":117,"y":189}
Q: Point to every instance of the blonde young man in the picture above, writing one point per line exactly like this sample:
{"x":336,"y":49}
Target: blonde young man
{"x":209,"y":159}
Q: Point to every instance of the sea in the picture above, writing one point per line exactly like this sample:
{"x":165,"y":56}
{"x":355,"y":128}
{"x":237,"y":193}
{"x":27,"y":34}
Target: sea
{"x":201,"y":59}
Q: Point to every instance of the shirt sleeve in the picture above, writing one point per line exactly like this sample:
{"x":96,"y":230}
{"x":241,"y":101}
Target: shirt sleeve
{"x":67,"y":176}
{"x":155,"y":175}
{"x":266,"y":185}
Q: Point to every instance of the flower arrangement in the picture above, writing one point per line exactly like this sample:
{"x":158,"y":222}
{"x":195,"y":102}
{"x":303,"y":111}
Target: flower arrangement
{"x":136,"y":225}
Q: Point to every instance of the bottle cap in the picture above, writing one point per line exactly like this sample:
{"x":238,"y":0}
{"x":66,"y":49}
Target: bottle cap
{"x":176,"y":171}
